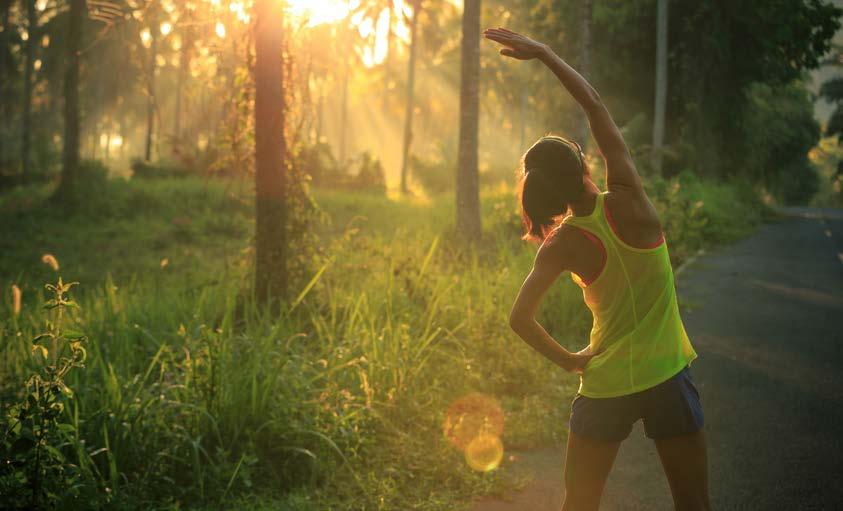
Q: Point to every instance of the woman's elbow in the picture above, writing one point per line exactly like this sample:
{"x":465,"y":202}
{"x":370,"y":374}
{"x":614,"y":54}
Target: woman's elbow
{"x":517,"y":321}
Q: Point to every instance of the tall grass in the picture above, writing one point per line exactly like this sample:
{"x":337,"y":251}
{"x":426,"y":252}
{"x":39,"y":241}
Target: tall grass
{"x":195,"y":394}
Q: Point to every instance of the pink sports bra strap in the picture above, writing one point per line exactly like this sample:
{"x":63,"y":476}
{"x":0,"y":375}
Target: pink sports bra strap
{"x":597,"y":243}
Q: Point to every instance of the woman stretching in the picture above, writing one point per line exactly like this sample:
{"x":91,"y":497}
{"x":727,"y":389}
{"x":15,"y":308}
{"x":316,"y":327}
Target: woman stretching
{"x":636,"y":364}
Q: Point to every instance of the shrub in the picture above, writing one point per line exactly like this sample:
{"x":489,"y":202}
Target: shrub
{"x":146,"y":170}
{"x":435,"y":175}
{"x":369,"y":175}
{"x":42,"y":462}
{"x":318,"y":162}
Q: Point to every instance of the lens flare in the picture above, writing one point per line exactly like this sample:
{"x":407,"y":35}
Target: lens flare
{"x":484,"y":453}
{"x":474,"y":424}
{"x":471,"y":415}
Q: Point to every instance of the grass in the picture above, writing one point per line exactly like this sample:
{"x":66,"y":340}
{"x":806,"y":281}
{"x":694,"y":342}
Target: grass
{"x":195,"y":396}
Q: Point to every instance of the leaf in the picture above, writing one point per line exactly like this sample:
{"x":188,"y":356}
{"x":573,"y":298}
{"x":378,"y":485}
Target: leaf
{"x":309,"y":285}
{"x":43,"y":336}
{"x":66,"y":428}
{"x":44,"y":352}
{"x":57,"y":455}
{"x":832,"y":90}
{"x":22,"y":444}
{"x":73,"y":335}
{"x":98,"y":451}
{"x":65,"y":389}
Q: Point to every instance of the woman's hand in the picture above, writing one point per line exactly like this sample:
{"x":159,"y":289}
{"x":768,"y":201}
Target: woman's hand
{"x":515,"y":45}
{"x":578,"y":360}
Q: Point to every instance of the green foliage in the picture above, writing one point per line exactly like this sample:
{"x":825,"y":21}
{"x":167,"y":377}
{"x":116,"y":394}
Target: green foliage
{"x":698,"y":213}
{"x":365,"y":172}
{"x":744,"y":45}
{"x":835,"y":123}
{"x":369,"y":175}
{"x":43,"y":464}
{"x":832,"y":91}
{"x":827,"y":158}
{"x":435,"y":175}
{"x":195,"y":394}
{"x":145,"y":170}
{"x":318,"y":161}
{"x":780,"y":131}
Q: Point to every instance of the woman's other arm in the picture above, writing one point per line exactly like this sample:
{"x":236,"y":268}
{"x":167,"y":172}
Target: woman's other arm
{"x":621,"y":173}
{"x":547,"y":267}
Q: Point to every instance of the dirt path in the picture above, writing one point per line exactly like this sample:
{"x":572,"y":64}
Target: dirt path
{"x":766,"y":317}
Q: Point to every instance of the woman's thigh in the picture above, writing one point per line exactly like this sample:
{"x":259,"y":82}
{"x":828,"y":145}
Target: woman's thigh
{"x":685,"y":463}
{"x":587,"y":465}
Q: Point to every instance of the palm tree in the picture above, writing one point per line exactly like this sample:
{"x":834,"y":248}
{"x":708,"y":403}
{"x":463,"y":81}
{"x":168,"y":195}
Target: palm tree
{"x":346,"y":78}
{"x":150,"y":82}
{"x":70,"y":152}
{"x":372,"y":10}
{"x":411,"y":81}
{"x":26,"y":121}
{"x":586,"y":8}
{"x":5,"y":46}
{"x":468,"y":192}
{"x":387,"y":61}
{"x":184,"y":65}
{"x":270,"y":153}
{"x":661,"y":86}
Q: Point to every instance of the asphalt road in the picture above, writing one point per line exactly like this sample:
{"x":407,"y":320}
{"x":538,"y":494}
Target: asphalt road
{"x":766,"y":317}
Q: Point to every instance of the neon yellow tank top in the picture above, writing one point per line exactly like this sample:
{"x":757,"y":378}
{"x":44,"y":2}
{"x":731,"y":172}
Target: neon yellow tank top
{"x":636,"y":316}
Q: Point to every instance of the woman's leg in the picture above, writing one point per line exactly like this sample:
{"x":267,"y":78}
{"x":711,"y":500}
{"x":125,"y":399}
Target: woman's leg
{"x":587,"y":465}
{"x":686,"y":465}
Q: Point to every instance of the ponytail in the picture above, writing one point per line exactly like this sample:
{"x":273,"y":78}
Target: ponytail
{"x":551,"y":178}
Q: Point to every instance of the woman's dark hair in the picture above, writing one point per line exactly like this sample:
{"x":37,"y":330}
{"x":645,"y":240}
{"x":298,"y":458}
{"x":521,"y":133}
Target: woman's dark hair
{"x":551,"y":178}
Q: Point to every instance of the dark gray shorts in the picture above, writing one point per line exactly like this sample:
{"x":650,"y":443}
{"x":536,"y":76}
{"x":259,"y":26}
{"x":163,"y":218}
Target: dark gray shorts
{"x":671,"y":408}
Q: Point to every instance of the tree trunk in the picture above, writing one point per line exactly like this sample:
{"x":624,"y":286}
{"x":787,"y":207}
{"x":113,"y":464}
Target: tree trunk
{"x":70,"y":152}
{"x":468,"y":188}
{"x":411,"y":82}
{"x":344,"y":109}
{"x":525,"y":97}
{"x":184,"y":65}
{"x":270,"y":152}
{"x":661,"y":87}
{"x":387,"y":61}
{"x":5,"y":118}
{"x":123,"y":138}
{"x":150,"y":87}
{"x":26,"y":128}
{"x":320,"y":109}
{"x":586,"y":9}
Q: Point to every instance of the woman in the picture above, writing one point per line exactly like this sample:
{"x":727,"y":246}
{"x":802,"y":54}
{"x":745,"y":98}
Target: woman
{"x":636,"y":364}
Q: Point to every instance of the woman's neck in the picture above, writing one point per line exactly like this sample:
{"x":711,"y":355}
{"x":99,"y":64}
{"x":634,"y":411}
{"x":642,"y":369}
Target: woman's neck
{"x":586,"y":202}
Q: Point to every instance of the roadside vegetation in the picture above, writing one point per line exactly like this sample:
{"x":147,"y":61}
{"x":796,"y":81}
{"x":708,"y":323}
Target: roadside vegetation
{"x":191,"y":392}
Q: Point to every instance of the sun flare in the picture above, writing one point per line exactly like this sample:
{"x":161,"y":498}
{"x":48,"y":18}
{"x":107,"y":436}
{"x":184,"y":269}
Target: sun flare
{"x":316,"y":12}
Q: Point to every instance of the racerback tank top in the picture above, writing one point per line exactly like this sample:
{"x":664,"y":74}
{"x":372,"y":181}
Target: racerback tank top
{"x":636,"y":322}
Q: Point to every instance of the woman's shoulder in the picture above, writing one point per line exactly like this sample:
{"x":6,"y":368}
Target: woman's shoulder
{"x":627,"y":201}
{"x":565,"y":238}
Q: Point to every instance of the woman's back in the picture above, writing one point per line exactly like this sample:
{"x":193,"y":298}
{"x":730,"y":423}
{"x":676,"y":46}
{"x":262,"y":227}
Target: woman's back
{"x":637,"y":328}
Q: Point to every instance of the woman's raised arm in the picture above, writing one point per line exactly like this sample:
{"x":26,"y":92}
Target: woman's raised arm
{"x":620,"y":168}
